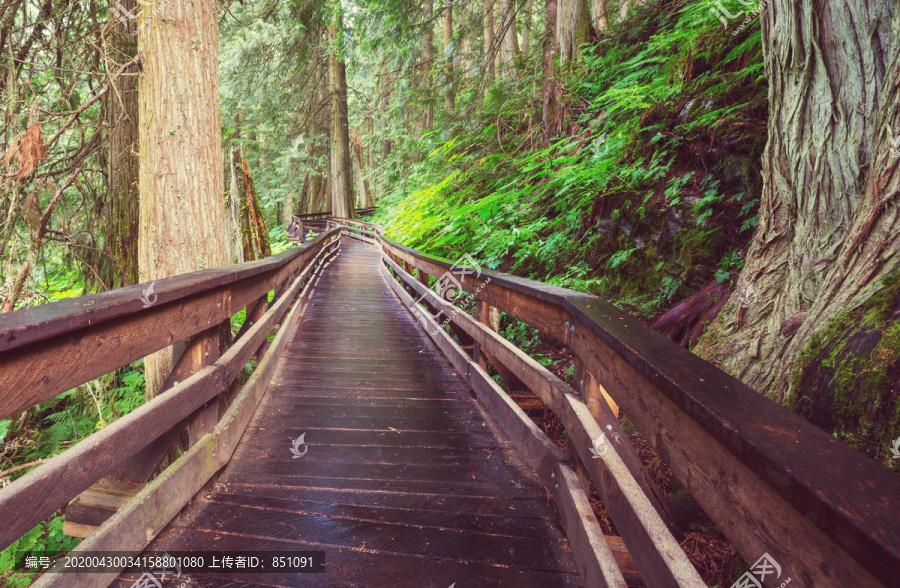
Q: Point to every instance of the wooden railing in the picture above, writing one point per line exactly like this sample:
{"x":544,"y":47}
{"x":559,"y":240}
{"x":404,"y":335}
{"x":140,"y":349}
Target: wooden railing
{"x":776,"y":485}
{"x":50,"y":349}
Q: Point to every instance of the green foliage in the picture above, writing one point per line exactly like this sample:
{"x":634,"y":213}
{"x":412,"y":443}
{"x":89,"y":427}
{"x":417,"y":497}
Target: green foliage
{"x":638,"y":202}
{"x":46,"y":539}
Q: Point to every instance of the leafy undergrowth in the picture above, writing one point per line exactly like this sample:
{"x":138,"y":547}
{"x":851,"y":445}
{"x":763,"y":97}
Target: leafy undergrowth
{"x":650,"y":192}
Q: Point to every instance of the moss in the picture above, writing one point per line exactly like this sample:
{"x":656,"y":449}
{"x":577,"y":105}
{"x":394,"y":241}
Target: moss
{"x":844,"y":377}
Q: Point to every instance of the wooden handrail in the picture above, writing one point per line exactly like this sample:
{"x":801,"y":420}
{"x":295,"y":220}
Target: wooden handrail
{"x":96,"y":334}
{"x":772,"y":481}
{"x":49,"y":349}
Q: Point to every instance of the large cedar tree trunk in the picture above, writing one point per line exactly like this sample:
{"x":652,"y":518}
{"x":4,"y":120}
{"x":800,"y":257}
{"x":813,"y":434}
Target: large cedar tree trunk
{"x":828,"y":222}
{"x":181,"y":183}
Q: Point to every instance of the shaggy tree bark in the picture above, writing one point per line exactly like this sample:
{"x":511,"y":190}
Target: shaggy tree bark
{"x":341,"y":181}
{"x":181,"y":182}
{"x":828,"y":221}
{"x":118,"y":266}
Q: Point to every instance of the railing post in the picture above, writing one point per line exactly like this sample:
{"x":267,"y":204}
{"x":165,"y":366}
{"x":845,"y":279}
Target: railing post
{"x":489,"y":316}
{"x":204,"y":350}
{"x":591,"y":390}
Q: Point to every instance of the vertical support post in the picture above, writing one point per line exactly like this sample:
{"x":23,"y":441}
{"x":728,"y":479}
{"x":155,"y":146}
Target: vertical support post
{"x":203,"y":350}
{"x":591,"y":390}
{"x":490,"y":317}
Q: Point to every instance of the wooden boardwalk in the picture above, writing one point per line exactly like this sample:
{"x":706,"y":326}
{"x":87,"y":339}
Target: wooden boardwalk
{"x":406,"y":481}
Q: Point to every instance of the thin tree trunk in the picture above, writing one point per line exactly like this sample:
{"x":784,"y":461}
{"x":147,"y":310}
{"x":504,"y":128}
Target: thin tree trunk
{"x":253,"y":232}
{"x":118,"y":266}
{"x":428,"y":42}
{"x":341,"y":183}
{"x":450,"y":93}
{"x":385,"y":108}
{"x":365,"y":194}
{"x":509,"y":44}
{"x":828,"y":220}
{"x":599,"y":14}
{"x":233,"y":230}
{"x":550,"y":106}
{"x":526,"y":34}
{"x":180,"y":182}
{"x":489,"y":40}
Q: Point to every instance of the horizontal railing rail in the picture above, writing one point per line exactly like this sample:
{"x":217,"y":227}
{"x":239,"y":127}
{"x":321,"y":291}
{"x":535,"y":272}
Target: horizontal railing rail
{"x":775,"y":484}
{"x":53,"y":348}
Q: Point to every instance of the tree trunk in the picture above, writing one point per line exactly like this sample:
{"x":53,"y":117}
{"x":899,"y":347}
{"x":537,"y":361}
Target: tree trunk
{"x":489,"y":48}
{"x":450,"y":94}
{"x":571,"y":28}
{"x":365,"y":194}
{"x":599,"y":14}
{"x":624,"y":8}
{"x":509,"y":44}
{"x":828,"y":221}
{"x":526,"y":34}
{"x":180,"y":183}
{"x":118,"y":266}
{"x":428,"y":42}
{"x":254,"y":236}
{"x":287,"y":211}
{"x":341,"y":183}
{"x":385,"y":108}
{"x":549,"y":91}
{"x":233,"y":230}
